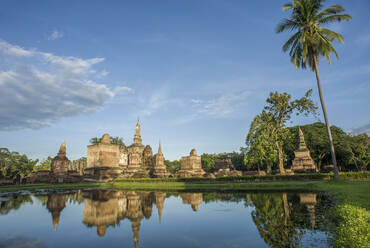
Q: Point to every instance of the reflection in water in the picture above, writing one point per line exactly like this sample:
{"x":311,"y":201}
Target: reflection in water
{"x":280,"y":218}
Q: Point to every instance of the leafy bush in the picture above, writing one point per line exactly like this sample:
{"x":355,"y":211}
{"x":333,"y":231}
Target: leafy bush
{"x":352,"y":226}
{"x":296,"y":177}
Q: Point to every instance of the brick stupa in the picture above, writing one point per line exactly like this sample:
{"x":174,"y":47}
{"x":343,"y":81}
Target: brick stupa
{"x":302,"y":159}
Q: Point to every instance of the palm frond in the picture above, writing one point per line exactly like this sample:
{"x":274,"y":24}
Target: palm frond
{"x":286,"y":24}
{"x":334,"y":18}
{"x":331,"y":35}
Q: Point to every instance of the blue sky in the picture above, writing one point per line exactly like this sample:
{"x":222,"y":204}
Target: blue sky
{"x":195,"y":72}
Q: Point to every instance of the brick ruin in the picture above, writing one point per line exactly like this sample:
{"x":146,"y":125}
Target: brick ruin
{"x":302,"y":158}
{"x":191,"y":166}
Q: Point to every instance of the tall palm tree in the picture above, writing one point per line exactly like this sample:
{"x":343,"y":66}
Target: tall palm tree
{"x":311,"y":41}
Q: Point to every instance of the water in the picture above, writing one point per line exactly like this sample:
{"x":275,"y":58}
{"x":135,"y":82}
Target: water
{"x":109,"y":218}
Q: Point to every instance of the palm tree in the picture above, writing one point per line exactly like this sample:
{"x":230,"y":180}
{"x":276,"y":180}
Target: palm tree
{"x":311,"y":41}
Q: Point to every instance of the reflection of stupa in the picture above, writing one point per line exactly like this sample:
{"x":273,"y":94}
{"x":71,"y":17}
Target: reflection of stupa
{"x":159,"y":202}
{"x":192,"y":198}
{"x":55,"y":204}
{"x":108,"y":208}
{"x":100,"y":210}
{"x":309,"y":199}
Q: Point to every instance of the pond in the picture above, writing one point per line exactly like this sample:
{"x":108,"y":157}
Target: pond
{"x":111,"y":218}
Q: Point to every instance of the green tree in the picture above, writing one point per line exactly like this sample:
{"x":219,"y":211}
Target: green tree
{"x":44,"y":165}
{"x":172,"y":166}
{"x":208,"y":161}
{"x":311,"y":41}
{"x":113,"y":140}
{"x":359,"y":148}
{"x":117,"y":141}
{"x":271,"y":123}
{"x":13,"y":164}
{"x":95,"y":140}
{"x":259,"y":150}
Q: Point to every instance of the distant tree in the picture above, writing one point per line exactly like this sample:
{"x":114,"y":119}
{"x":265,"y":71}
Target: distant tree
{"x":208,"y":161}
{"x":270,"y":125}
{"x":359,"y":147}
{"x":95,"y":140}
{"x":113,"y":140}
{"x":44,"y":165}
{"x":13,"y":164}
{"x":259,"y":151}
{"x":117,"y":141}
{"x":311,"y":41}
{"x":172,"y":166}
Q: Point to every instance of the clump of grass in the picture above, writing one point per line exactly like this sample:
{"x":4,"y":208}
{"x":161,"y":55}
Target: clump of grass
{"x":352,"y":226}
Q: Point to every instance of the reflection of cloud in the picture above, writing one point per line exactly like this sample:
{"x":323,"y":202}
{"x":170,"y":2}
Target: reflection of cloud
{"x":20,"y":242}
{"x":39,"y":88}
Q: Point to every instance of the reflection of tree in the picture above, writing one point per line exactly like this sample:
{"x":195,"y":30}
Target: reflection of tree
{"x":272,"y":219}
{"x":14,"y":203}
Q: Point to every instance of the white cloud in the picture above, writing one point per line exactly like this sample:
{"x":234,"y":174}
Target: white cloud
{"x":14,"y":50}
{"x":40,"y":88}
{"x":221,"y":106}
{"x":55,"y":35}
{"x":103,"y":73}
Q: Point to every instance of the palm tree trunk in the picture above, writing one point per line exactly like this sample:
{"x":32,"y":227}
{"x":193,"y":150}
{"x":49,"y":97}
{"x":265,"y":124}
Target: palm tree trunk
{"x":332,"y":151}
{"x":281,"y":159}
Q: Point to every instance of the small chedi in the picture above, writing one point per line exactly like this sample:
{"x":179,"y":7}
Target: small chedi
{"x":160,"y":169}
{"x":302,"y":159}
{"x":60,"y":163}
{"x":60,"y":170}
{"x":191,"y":166}
{"x":224,"y":167}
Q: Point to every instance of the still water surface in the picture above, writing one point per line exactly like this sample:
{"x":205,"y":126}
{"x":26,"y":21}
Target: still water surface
{"x":109,"y":218}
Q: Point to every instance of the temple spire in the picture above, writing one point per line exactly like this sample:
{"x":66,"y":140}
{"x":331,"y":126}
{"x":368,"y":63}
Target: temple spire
{"x":137,"y":137}
{"x":302,"y":143}
{"x":160,"y":148}
{"x":62,"y":149}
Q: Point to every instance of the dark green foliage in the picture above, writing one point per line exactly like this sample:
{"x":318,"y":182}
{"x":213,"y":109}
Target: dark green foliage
{"x":44,"y":165}
{"x":209,"y":161}
{"x":268,"y":131}
{"x":172,"y":166}
{"x":296,"y":177}
{"x":350,"y":150}
{"x":311,"y":39}
{"x":13,"y":164}
{"x":113,"y":140}
{"x":352,"y":226}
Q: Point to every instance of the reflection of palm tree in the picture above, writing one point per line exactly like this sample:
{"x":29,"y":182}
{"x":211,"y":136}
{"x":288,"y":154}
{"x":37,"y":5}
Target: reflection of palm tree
{"x":272,"y":219}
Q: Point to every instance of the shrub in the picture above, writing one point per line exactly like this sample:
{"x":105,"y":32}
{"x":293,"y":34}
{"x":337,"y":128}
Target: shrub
{"x":352,"y":226}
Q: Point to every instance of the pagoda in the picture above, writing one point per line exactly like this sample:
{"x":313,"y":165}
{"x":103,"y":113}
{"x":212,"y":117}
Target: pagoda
{"x":302,"y":159}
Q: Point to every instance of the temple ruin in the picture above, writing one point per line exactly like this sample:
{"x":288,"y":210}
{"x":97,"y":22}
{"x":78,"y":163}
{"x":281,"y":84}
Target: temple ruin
{"x":191,"y":166}
{"x":106,"y":161}
{"x":302,"y":159}
{"x":160,"y":169}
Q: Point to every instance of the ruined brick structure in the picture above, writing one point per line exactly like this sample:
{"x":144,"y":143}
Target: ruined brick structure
{"x":302,"y":159}
{"x":191,"y":166}
{"x":160,"y":169}
{"x":106,"y":161}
